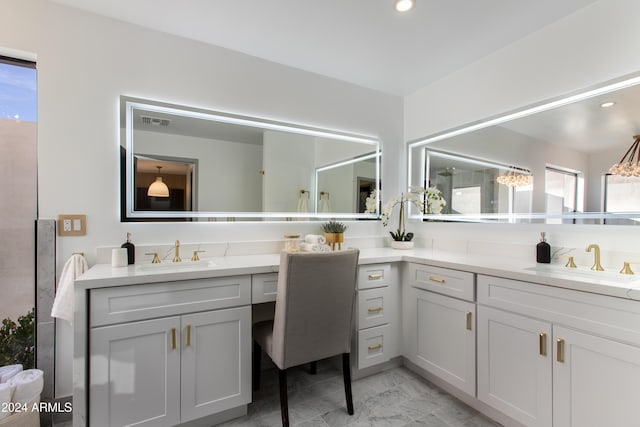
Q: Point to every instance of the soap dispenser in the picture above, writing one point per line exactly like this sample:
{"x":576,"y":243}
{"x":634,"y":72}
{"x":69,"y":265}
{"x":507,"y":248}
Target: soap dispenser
{"x":543,"y":250}
{"x":131,"y":250}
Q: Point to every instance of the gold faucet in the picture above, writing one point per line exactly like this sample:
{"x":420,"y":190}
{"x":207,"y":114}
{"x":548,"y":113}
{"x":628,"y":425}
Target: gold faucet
{"x":596,"y":250}
{"x":177,"y":258}
{"x":156,"y":259}
{"x":195,"y":256}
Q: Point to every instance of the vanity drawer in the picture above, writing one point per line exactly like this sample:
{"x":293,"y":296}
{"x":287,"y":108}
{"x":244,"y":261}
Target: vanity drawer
{"x":138,"y":302}
{"x":374,"y":346}
{"x":603,"y":315}
{"x":373,"y":307}
{"x":374,"y":276}
{"x":455,"y":283}
{"x":264,"y":287}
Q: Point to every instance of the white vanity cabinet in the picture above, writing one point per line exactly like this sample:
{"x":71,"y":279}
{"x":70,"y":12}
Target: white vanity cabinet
{"x":551,"y":356}
{"x":166,"y":353}
{"x":378,"y":323}
{"x":439,"y":315}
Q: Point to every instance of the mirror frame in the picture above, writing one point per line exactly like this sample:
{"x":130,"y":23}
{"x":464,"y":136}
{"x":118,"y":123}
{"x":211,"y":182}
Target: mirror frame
{"x":129,"y":214}
{"x":576,"y":217}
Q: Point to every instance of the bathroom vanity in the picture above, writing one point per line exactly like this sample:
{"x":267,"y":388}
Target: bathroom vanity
{"x":172,"y":344}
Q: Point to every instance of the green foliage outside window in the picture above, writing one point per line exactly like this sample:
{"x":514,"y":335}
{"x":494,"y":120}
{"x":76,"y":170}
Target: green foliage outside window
{"x":17,"y":341}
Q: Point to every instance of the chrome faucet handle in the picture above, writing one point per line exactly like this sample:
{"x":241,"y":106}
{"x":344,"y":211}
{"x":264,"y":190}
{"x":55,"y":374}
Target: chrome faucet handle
{"x":195,"y":256}
{"x":626,"y":268}
{"x":177,"y":258}
{"x":156,"y":259}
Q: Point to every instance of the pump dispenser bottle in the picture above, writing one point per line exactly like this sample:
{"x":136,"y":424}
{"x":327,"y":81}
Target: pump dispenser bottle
{"x":131,"y":250}
{"x":543,"y":250}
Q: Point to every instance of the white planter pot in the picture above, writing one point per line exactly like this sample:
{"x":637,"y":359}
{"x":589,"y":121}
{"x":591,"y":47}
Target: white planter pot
{"x":401,"y":245}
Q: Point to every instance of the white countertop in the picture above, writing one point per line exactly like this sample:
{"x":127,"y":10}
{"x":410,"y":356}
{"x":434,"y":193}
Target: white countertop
{"x":582,"y":279}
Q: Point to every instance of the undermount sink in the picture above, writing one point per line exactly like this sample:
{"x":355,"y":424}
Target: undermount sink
{"x":175,"y":266}
{"x":585,"y":272}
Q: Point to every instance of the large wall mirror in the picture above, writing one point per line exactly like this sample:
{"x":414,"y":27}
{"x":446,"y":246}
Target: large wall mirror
{"x":546,"y":163}
{"x":189,"y":164}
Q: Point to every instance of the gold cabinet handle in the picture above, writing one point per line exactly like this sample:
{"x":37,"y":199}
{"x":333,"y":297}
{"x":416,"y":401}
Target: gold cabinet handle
{"x":188,"y":335}
{"x":543,"y":344}
{"x":376,"y":276}
{"x":469,"y":317}
{"x":436,"y":279}
{"x":375,"y":347}
{"x":173,"y":338}
{"x":374,"y":309}
{"x":560,"y":350}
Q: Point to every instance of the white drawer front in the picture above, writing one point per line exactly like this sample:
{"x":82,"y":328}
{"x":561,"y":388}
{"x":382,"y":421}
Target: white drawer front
{"x":374,"y":346}
{"x":455,"y":283}
{"x":137,"y":302}
{"x":264,"y":287}
{"x":373,"y":307}
{"x":374,"y":276}
{"x":603,"y":315}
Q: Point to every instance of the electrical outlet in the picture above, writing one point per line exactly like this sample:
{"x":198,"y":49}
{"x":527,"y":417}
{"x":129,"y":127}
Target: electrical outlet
{"x":72,"y":225}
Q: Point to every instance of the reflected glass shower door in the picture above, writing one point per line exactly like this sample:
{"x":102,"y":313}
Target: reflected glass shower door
{"x":18,"y":210}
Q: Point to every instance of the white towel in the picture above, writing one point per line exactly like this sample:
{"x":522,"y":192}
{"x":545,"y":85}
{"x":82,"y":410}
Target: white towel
{"x":28,"y":385}
{"x":6,"y":393}
{"x":310,"y":247}
{"x":9,"y":371}
{"x":63,"y":303}
{"x":315,"y":239}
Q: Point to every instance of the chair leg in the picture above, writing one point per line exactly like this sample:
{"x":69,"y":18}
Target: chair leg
{"x":284,"y":401}
{"x":313,"y":368}
{"x":257,"y":356}
{"x":346,"y":373}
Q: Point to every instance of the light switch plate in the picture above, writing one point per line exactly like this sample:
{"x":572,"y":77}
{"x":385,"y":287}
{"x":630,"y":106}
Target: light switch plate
{"x":72,"y":225}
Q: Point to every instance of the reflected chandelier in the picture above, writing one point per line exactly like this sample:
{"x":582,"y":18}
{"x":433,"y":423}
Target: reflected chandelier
{"x":629,"y":165}
{"x":515,"y":177}
{"x":157,"y":187}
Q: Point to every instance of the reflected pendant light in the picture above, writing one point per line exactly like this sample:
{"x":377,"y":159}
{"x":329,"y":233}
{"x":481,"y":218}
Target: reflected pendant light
{"x":157,"y":187}
{"x":629,"y":165}
{"x":515,"y":177}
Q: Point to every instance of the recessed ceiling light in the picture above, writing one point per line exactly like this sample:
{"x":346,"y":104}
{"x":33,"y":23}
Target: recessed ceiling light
{"x":404,"y":5}
{"x":607,"y":104}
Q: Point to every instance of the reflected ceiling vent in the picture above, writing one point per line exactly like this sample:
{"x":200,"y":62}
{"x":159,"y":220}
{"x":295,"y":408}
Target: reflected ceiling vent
{"x":155,"y":121}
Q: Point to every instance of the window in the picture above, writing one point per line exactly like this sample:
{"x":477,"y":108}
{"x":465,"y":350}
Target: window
{"x":621,"y":194}
{"x":561,"y":192}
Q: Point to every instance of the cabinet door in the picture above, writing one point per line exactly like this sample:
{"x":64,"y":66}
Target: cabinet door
{"x":596,"y":381}
{"x":135,"y":374}
{"x":446,"y":341}
{"x":514,"y":366}
{"x":216,"y":361}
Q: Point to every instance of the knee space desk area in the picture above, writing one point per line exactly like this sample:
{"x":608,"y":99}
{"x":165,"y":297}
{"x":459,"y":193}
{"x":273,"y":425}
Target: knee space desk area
{"x":172,"y":347}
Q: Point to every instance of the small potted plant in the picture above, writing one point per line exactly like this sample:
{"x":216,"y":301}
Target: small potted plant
{"x":334,"y":233}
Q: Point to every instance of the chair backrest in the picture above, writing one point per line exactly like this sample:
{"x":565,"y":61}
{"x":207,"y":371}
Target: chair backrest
{"x":315,"y":306}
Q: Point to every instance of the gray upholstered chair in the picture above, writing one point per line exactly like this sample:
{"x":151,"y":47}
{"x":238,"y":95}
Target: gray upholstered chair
{"x":314,"y":317}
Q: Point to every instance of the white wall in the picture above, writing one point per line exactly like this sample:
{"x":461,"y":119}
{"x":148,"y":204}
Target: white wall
{"x":594,"y":45}
{"x":86,"y":62}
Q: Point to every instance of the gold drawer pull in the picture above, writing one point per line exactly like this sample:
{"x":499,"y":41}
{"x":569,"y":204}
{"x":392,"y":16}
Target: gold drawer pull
{"x":188,"y":335}
{"x":560,"y":350}
{"x":543,"y":344}
{"x":469,"y":316}
{"x":374,"y":347}
{"x":436,"y":279}
{"x":376,"y":276}
{"x":173,"y":338}
{"x":375,"y":310}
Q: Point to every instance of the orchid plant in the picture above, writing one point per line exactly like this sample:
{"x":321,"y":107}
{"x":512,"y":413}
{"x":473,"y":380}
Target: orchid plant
{"x":427,"y":200}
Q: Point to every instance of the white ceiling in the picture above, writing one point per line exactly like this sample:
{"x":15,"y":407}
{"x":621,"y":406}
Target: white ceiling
{"x":365,"y":42}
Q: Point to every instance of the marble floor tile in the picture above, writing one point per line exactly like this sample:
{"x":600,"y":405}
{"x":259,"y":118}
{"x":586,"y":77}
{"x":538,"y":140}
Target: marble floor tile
{"x":394,"y":398}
